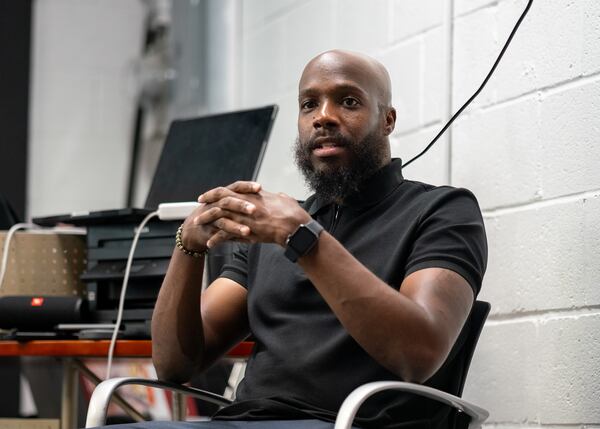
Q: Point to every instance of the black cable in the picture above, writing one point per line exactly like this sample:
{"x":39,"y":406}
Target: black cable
{"x":459,"y":111}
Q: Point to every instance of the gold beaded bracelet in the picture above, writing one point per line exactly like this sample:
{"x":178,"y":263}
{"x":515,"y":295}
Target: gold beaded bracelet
{"x":180,"y":246}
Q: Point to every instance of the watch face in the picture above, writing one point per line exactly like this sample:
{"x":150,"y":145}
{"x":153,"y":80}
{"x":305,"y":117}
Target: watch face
{"x":303,"y":239}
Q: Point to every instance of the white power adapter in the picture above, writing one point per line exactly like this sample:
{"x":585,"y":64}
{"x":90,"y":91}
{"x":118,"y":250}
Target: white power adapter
{"x":174,"y":211}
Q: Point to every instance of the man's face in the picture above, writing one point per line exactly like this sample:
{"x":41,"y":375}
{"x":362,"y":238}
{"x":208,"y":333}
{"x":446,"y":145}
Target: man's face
{"x":341,"y":129}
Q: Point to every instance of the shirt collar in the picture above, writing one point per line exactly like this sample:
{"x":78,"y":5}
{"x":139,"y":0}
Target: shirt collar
{"x":376,"y":188}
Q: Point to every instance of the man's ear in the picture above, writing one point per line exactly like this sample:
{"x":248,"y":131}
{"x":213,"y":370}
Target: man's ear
{"x":390,"y":121}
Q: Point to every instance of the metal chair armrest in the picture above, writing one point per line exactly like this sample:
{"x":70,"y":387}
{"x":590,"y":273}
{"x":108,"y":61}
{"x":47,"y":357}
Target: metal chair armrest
{"x":359,"y":395}
{"x":100,"y":399}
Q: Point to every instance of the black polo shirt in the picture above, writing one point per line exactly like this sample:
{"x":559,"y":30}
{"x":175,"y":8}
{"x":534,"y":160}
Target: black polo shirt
{"x":305,"y":363}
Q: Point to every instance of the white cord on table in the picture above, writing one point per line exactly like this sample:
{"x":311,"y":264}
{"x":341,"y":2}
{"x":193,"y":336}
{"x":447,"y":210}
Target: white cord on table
{"x":115,"y":333}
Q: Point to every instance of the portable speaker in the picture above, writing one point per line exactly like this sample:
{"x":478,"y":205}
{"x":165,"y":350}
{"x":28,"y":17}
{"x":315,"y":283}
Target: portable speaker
{"x":39,"y":312}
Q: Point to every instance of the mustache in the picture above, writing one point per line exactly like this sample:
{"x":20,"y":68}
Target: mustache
{"x":317,"y":141}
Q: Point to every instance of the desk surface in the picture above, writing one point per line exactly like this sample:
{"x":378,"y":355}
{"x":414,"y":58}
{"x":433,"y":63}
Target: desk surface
{"x":95,"y":348}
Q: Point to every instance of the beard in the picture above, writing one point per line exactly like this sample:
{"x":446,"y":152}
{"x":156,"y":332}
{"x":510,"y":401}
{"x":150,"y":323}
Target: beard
{"x":334,"y":183}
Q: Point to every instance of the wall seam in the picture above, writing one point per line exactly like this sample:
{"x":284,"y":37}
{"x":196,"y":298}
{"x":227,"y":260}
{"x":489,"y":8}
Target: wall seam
{"x":406,"y":40}
{"x":542,"y":91}
{"x":478,"y":9}
{"x":535,"y":205}
{"x":427,"y":126}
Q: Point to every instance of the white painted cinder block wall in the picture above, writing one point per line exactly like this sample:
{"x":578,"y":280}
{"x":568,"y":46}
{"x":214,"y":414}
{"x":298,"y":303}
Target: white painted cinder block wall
{"x":529,"y":147}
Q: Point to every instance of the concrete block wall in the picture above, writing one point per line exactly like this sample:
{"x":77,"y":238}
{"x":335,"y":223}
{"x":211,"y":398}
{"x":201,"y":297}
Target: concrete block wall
{"x":536,"y":132}
{"x":529,"y":147}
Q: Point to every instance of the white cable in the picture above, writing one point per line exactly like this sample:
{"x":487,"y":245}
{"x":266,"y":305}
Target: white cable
{"x":7,"y":239}
{"x":115,"y":333}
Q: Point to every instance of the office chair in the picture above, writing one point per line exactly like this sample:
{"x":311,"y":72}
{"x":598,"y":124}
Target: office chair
{"x":464,"y":415}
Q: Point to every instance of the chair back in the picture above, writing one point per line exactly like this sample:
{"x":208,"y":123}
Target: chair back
{"x":477,"y":319}
{"x":460,"y":357}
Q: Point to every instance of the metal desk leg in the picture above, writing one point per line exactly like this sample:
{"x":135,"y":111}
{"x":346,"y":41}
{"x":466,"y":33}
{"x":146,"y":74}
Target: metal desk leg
{"x":70,"y":390}
{"x":179,"y":406}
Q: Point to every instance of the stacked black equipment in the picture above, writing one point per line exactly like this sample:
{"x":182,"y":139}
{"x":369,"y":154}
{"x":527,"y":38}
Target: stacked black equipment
{"x":108,"y":247}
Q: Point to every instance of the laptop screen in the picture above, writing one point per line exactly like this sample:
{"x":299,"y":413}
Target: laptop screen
{"x":202,"y":153}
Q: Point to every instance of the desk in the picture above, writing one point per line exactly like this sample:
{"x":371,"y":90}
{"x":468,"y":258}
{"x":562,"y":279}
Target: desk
{"x":69,"y":351}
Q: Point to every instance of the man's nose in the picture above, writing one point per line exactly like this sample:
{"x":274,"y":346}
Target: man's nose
{"x":325,"y":116}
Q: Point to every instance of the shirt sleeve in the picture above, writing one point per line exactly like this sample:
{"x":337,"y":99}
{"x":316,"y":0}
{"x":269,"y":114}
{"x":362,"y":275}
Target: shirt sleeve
{"x":451,"y":235}
{"x":237,"y":268}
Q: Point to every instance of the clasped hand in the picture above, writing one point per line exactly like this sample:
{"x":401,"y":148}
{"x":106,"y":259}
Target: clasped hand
{"x":242,"y":211}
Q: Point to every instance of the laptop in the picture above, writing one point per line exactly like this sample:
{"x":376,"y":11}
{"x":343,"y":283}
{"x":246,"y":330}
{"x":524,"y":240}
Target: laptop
{"x":199,"y":154}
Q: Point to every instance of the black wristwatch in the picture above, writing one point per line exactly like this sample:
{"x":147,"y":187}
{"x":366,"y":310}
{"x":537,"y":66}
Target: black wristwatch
{"x":302,"y":240}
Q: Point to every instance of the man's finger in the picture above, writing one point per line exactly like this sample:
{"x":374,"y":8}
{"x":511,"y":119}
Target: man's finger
{"x":219,"y":237}
{"x":232,"y":228}
{"x":231,"y":209}
{"x":236,"y":205}
{"x":239,"y":187}
{"x":245,"y":187}
{"x":208,"y":216}
{"x":215,"y":195}
{"x":222,"y":236}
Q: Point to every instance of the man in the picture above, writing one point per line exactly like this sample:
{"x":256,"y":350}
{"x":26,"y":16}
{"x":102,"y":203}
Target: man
{"x":372,"y":278}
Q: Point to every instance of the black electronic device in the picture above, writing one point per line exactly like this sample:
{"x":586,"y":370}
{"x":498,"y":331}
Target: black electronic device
{"x":107,"y":249}
{"x":199,"y":154}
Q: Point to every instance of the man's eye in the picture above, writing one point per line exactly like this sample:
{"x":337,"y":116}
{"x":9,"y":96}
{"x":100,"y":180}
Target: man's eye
{"x":308,"y":104}
{"x":350,"y":102}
